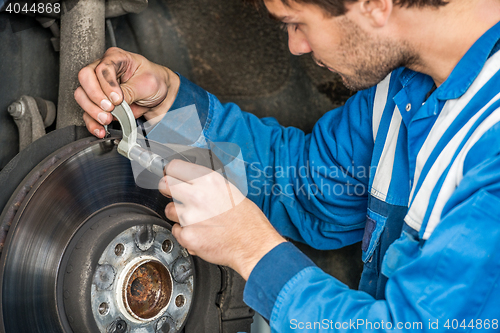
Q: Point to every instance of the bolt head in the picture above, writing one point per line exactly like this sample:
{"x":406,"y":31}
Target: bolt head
{"x":16,"y":110}
{"x":182,"y":270}
{"x":104,"y":277}
{"x":165,"y":325}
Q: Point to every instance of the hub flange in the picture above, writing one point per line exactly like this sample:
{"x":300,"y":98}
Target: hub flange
{"x":143,"y":291}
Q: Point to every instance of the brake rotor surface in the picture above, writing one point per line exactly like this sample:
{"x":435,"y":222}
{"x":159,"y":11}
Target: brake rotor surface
{"x":66,"y":190}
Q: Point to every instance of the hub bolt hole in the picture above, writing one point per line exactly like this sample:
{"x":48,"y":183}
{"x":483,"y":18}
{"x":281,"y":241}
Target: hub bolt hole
{"x":180,"y":301}
{"x":167,"y":245}
{"x":119,"y":249}
{"x":120,"y":327}
{"x":103,"y":308}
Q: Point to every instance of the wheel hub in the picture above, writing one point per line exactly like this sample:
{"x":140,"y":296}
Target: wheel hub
{"x":139,"y":285}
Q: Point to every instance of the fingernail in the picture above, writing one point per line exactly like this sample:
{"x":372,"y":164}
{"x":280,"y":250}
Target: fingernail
{"x":97,"y":132}
{"x":103,"y":118}
{"x":114,"y":97}
{"x":105,"y":105}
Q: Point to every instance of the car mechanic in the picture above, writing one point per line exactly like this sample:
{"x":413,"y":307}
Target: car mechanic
{"x":425,"y":130}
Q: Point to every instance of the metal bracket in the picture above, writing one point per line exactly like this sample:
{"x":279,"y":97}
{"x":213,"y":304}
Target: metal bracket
{"x":31,"y":115}
{"x":126,"y":118}
{"x":129,"y":147}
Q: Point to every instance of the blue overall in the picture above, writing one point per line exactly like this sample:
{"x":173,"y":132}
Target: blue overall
{"x":412,"y":172}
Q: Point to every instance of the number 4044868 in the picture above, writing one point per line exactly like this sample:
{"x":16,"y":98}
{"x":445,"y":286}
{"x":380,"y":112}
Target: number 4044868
{"x":34,"y":8}
{"x":485,"y":324}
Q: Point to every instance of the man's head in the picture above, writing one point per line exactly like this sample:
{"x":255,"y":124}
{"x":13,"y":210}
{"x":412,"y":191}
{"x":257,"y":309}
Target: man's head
{"x":355,"y":38}
{"x":338,"y":7}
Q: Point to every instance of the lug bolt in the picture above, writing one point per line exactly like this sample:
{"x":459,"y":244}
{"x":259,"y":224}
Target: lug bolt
{"x":182,"y":270}
{"x":180,"y":301}
{"x":119,"y":326}
{"x":167,"y":245}
{"x":119,"y":249}
{"x":103,"y":308}
{"x":104,"y":277}
{"x":165,"y":325}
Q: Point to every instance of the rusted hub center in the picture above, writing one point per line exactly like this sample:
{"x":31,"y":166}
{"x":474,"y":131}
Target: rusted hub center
{"x":149,"y":286}
{"x":148,"y":289}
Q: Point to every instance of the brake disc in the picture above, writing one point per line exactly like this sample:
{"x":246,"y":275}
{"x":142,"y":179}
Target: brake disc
{"x":87,"y":250}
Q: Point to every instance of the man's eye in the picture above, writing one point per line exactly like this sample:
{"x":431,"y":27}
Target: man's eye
{"x":286,"y":26}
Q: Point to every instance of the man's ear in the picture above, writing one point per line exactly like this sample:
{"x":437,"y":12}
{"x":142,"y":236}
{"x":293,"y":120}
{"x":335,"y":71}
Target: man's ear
{"x":376,"y":11}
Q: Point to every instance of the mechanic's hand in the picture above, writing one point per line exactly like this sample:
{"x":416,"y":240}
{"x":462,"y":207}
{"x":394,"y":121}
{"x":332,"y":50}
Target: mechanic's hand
{"x":217,"y":223}
{"x":148,"y":88}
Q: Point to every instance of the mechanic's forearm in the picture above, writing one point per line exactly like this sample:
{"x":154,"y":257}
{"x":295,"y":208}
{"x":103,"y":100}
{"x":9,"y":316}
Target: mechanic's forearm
{"x":300,"y":294}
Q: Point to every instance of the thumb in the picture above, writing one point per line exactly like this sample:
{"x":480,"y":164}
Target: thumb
{"x":128,"y":94}
{"x":130,"y":98}
{"x":177,"y":231}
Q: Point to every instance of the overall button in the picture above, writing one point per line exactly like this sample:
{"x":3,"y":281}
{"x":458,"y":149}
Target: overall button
{"x":408,"y":107}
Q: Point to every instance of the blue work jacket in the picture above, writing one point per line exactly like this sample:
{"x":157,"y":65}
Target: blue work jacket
{"x":411,"y":171}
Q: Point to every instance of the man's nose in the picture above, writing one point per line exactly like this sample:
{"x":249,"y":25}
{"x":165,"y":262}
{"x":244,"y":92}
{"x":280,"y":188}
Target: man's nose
{"x":297,"y":43}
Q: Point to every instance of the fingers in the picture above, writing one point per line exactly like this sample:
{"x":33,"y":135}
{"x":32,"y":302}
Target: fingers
{"x":186,"y":171}
{"x":173,"y":187}
{"x":92,"y":87}
{"x":119,"y":76}
{"x":163,"y":188}
{"x":116,"y":67}
{"x":93,"y":126}
{"x":107,"y":73}
{"x":171,"y":212}
{"x":99,"y":89}
{"x":100,"y":80}
{"x":103,"y":117}
{"x":178,"y":233}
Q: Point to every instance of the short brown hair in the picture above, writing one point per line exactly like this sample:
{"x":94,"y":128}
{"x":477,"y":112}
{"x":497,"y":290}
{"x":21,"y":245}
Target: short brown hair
{"x":338,"y":7}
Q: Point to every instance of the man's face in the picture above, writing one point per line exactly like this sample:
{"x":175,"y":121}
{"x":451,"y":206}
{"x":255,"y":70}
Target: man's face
{"x":338,"y":43}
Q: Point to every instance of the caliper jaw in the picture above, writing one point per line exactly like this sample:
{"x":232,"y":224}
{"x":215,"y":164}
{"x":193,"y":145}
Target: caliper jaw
{"x":129,"y":147}
{"x":150,"y":161}
{"x":126,"y":118}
